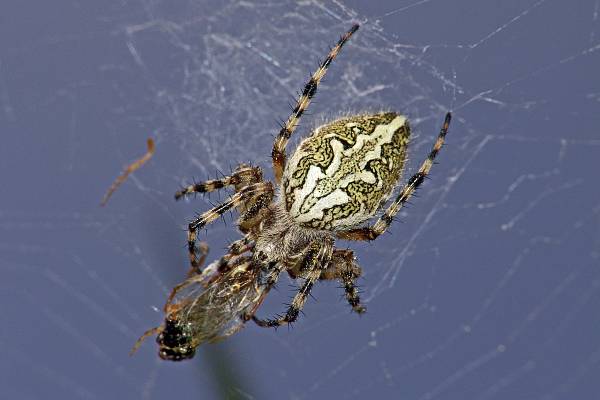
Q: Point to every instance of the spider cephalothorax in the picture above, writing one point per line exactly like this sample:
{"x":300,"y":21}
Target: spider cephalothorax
{"x":337,"y":179}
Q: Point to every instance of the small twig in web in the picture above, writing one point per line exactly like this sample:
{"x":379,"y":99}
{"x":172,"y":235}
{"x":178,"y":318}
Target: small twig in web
{"x":128,"y":170}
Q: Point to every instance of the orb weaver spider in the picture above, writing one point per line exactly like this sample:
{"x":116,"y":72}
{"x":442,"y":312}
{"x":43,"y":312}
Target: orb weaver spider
{"x":337,"y":179}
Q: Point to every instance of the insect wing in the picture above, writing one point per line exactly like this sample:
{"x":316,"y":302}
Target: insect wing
{"x":212,"y":306}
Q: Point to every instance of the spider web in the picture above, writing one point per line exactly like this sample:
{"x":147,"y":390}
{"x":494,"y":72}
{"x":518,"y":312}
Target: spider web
{"x":486,"y":288}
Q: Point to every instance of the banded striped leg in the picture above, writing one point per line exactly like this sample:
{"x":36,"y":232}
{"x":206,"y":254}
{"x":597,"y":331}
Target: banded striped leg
{"x":316,"y":259}
{"x":279,"y":156}
{"x":209,"y":216}
{"x":372,"y":232}
{"x":273,"y":270}
{"x":242,"y":176}
{"x":196,"y":267}
{"x":344,"y":268}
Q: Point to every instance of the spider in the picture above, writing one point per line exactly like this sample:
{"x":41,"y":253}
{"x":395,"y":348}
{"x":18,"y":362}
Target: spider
{"x":337,"y":179}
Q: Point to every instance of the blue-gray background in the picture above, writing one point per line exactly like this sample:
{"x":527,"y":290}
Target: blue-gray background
{"x":489,"y":287}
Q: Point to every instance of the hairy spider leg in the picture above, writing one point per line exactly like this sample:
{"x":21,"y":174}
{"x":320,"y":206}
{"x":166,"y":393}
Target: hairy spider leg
{"x":310,"y":89}
{"x":209,"y":216}
{"x":344,"y":268}
{"x":372,"y":232}
{"x":201,"y":249}
{"x":315,"y":261}
{"x":273,"y":270}
{"x":243,"y":175}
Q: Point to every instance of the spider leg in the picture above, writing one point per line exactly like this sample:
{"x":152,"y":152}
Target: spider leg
{"x":209,"y":216}
{"x":273,"y":270}
{"x":373,"y":231}
{"x":316,"y":259}
{"x":243,"y":175}
{"x":344,"y":268}
{"x":195,"y":269}
{"x":236,"y":248}
{"x":278,"y":154}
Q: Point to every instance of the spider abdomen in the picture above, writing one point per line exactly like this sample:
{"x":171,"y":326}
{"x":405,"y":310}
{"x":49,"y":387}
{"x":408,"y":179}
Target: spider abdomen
{"x":340,"y":175}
